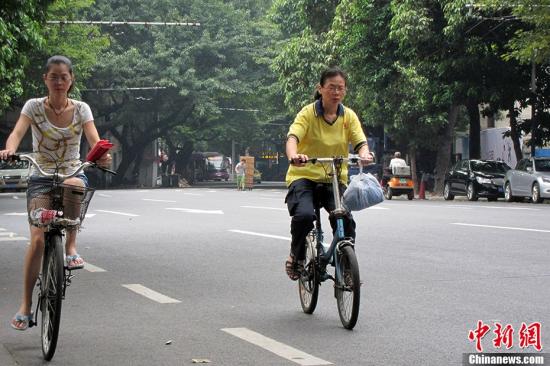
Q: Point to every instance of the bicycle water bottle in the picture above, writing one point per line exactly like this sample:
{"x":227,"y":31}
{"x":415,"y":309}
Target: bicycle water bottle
{"x":42,"y":215}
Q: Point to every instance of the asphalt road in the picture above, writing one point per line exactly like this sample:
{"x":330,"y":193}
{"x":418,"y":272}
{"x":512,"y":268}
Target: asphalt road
{"x":212,"y":263}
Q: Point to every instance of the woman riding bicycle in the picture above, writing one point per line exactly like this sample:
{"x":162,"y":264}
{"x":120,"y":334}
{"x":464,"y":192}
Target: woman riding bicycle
{"x":323,"y":128}
{"x":57,"y":123}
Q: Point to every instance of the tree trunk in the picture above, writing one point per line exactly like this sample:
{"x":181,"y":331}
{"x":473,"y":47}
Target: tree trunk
{"x":443,"y":159}
{"x":475,"y":128}
{"x":129,"y":155}
{"x":514,"y":133}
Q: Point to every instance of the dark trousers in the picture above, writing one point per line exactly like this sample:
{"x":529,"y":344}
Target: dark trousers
{"x":300,"y":199}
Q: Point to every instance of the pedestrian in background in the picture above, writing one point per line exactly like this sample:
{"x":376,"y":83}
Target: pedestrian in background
{"x":240,"y":170}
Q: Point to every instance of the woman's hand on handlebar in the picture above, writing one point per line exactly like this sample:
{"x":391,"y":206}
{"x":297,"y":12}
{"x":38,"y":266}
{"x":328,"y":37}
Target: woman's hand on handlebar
{"x":5,"y":154}
{"x":366,"y":158}
{"x":104,"y":161}
{"x":298,"y":159}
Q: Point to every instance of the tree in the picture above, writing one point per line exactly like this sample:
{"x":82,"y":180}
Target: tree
{"x":20,"y":31}
{"x":202,"y":69}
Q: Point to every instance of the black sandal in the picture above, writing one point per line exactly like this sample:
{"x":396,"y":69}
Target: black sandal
{"x":293,"y":269}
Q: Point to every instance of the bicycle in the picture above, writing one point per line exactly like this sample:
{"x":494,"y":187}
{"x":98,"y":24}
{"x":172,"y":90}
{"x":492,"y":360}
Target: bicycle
{"x":49,"y":195}
{"x":340,"y":254}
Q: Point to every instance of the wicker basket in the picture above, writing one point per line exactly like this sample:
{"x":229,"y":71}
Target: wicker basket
{"x":72,"y":200}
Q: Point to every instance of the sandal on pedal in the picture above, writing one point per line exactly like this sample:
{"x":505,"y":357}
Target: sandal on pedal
{"x":76,"y":260}
{"x":23,"y":320}
{"x":293,"y":269}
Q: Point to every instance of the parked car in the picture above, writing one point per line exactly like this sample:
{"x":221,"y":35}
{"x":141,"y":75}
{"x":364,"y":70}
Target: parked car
{"x":13,"y":175}
{"x":530,"y":178}
{"x":476,"y":178}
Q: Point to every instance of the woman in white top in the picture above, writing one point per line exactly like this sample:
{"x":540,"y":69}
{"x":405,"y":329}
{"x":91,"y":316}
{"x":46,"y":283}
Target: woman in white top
{"x":57,"y":123}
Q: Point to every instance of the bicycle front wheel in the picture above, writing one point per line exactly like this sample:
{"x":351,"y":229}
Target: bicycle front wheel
{"x":347,"y":287}
{"x":51,"y":294}
{"x":308,"y":284}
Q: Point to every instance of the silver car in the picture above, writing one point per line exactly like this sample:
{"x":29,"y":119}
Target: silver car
{"x":531,"y":178}
{"x":13,"y":175}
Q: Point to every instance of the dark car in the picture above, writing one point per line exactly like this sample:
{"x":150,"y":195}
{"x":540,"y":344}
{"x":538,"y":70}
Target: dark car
{"x":476,"y":178}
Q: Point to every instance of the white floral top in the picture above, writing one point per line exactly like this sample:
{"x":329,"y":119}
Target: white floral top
{"x":54,"y":145}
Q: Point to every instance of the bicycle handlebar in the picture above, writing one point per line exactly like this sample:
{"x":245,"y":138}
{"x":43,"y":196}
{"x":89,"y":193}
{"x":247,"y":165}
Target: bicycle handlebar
{"x":84,"y":165}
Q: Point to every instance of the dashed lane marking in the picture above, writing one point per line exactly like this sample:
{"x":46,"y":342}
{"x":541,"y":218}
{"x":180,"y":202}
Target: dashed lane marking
{"x":266,"y":208}
{"x":276,"y":347}
{"x":153,"y":200}
{"x":501,"y":227}
{"x":260,"y":234}
{"x":118,"y":213}
{"x":91,"y":268}
{"x":150,"y":294}
{"x":192,"y":210}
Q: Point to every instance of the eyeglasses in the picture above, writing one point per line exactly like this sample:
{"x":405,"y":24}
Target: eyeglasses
{"x":63,"y":79}
{"x":336,"y":89}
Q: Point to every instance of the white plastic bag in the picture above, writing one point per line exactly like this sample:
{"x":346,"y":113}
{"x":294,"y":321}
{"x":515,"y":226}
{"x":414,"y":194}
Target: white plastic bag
{"x":363,"y":191}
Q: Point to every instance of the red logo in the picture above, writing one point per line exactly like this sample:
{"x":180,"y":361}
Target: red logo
{"x":529,"y":335}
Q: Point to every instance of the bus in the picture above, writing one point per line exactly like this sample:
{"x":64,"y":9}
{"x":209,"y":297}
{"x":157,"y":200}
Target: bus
{"x":210,"y":166}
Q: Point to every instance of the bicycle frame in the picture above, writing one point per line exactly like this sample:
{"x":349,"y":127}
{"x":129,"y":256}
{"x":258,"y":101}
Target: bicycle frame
{"x":331,"y":254}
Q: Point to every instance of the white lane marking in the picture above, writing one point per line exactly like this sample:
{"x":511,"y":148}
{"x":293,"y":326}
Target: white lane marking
{"x":91,"y":268}
{"x":211,"y":191}
{"x":276,"y":347}
{"x":193,"y":194}
{"x":15,"y":197}
{"x":89,"y":215}
{"x":501,"y":227}
{"x":152,"y":200}
{"x":104,"y":195}
{"x":192,"y":210}
{"x":497,"y":207}
{"x":16,"y":214}
{"x":2,"y":229}
{"x":150,"y":294}
{"x":12,"y":238}
{"x":260,"y":234}
{"x":118,"y":213}
{"x":266,"y":208}
{"x":377,"y":208}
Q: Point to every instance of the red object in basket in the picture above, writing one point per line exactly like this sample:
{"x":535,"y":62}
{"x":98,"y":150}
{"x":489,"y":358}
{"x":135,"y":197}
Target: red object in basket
{"x":100,"y":148}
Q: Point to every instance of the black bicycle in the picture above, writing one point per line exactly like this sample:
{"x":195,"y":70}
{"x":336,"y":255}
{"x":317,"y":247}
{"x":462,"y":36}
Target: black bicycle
{"x":47,"y":199}
{"x":340,"y":254}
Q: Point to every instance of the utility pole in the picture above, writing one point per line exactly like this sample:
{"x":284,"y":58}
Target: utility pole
{"x":533,"y":105}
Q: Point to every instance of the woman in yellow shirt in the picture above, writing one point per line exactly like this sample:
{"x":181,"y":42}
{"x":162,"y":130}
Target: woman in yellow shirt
{"x":323,"y":128}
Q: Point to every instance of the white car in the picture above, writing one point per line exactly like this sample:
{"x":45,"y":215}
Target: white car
{"x":13,"y":175}
{"x":531,"y":178}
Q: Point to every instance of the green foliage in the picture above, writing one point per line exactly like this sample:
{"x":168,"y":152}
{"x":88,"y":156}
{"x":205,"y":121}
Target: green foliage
{"x":532,"y":42}
{"x":20,"y":31}
{"x":203,"y":71}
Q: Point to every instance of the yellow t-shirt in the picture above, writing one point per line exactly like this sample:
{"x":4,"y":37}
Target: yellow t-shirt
{"x":318,"y":138}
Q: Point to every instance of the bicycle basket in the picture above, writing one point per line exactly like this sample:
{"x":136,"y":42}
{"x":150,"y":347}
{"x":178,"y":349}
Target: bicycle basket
{"x":72,"y":200}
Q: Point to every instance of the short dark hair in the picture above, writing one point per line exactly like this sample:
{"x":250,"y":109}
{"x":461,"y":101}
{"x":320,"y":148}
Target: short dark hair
{"x":330,"y":72}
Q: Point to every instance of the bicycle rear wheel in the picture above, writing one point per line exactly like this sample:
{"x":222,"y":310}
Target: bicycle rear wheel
{"x":308,"y":284}
{"x":51,"y":294}
{"x":347,"y":287}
